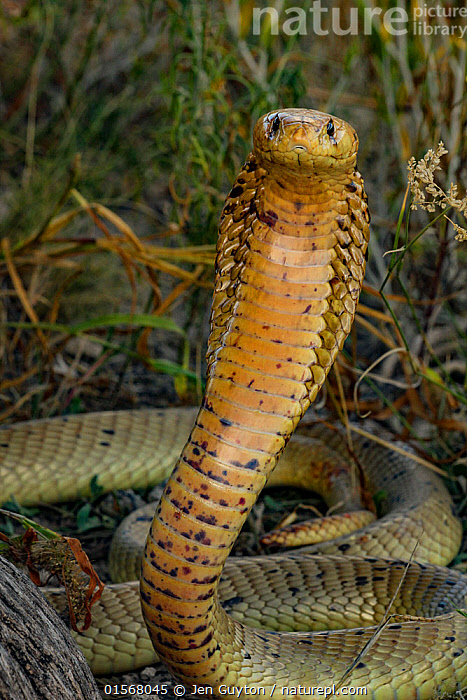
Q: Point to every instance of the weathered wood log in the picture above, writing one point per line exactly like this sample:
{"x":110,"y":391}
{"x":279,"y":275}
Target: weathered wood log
{"x":39,"y":660}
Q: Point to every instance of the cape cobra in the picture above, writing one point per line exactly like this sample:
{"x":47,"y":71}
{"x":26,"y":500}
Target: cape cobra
{"x":291,"y":258}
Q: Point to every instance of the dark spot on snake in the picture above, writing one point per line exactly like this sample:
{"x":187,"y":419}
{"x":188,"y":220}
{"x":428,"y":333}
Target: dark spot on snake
{"x":343,"y":547}
{"x":226,"y":422}
{"x":241,"y":501}
{"x":252,"y":464}
{"x":340,"y":223}
{"x":251,"y":383}
{"x":456,"y":654}
{"x":395,"y":627}
{"x":294,"y":590}
{"x":361,"y":580}
{"x":310,"y":222}
{"x":208,"y":519}
{"x":201,"y":537}
{"x":378,"y":578}
{"x":450,"y":639}
{"x":204,"y":487}
{"x":307,"y":308}
{"x":4,"y":444}
{"x":306,"y":641}
{"x":108,"y":431}
{"x":178,"y":479}
{"x":217,"y":478}
{"x":360,"y":665}
{"x":359,"y":632}
{"x":169,"y":490}
{"x":265,"y":218}
{"x":166,"y":591}
{"x":367,"y":254}
{"x":196,"y":451}
{"x":175,"y":503}
{"x":204,"y":495}
{"x":226,"y":527}
{"x":230,"y":602}
{"x":223,"y":503}
{"x":208,"y":579}
{"x":105,"y":444}
{"x":205,"y":596}
{"x":448,"y":582}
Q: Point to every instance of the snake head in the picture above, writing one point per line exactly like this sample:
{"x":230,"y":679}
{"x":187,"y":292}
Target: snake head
{"x":305,"y":140}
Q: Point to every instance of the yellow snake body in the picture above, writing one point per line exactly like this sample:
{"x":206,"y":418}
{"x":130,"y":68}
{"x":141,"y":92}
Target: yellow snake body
{"x":290,"y":264}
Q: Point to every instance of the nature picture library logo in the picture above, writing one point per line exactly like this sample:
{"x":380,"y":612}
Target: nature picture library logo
{"x":322,"y":19}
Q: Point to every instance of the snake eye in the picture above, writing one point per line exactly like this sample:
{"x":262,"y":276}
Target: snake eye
{"x":275,"y":124}
{"x":330,"y":128}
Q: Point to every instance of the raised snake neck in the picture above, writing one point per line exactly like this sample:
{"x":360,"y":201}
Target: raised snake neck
{"x":290,"y":264}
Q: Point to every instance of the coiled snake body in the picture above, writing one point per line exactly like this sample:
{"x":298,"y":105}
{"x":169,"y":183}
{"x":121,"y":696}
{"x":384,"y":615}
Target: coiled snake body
{"x":291,"y":257}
